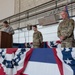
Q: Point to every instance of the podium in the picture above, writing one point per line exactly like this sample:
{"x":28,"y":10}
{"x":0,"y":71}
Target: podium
{"x":6,"y":40}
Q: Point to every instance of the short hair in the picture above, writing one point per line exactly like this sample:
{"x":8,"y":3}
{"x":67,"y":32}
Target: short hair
{"x":5,"y":22}
{"x":64,"y":11}
{"x":35,"y":26}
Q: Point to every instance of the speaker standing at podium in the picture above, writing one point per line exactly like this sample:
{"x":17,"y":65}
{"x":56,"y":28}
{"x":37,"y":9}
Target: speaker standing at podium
{"x":8,"y":29}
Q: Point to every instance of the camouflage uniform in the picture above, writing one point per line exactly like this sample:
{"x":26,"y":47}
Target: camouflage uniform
{"x":9,"y":30}
{"x":65,"y":29}
{"x":37,"y":39}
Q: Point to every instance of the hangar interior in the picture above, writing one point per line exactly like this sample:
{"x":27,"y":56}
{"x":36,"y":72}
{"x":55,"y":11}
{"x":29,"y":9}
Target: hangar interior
{"x":37,"y":12}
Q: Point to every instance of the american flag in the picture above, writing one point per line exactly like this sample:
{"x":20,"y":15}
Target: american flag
{"x":69,"y":58}
{"x":53,"y":44}
{"x":13,"y":61}
{"x":40,"y":61}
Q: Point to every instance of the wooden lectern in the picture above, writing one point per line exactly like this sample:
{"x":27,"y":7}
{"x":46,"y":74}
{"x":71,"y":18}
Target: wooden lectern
{"x":6,"y":40}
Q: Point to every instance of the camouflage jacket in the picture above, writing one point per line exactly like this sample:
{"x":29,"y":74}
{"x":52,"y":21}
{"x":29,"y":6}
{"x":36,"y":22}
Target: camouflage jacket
{"x":9,"y":30}
{"x":37,"y":38}
{"x":66,"y":28}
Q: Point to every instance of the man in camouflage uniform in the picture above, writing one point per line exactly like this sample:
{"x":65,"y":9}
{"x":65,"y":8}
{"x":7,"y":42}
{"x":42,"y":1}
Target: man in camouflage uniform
{"x":7,"y":28}
{"x":65,"y":31}
{"x":37,"y":38}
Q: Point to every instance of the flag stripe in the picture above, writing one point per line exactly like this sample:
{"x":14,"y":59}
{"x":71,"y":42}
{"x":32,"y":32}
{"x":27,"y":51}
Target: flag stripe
{"x":11,"y":50}
{"x":58,"y":62}
{"x":28,"y":55}
{"x":1,"y":70}
{"x":43,"y":55}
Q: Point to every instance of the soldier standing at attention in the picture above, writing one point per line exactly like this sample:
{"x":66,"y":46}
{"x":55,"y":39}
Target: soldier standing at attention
{"x":65,"y":31}
{"x":37,"y":38}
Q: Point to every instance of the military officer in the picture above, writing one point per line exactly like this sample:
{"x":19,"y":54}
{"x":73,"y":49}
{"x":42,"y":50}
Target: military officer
{"x":37,"y":38}
{"x":7,"y":28}
{"x":65,"y":31}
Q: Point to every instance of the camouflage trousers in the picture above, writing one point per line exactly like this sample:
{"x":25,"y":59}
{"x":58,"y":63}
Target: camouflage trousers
{"x":36,"y":46}
{"x":74,"y":43}
{"x":67,"y":44}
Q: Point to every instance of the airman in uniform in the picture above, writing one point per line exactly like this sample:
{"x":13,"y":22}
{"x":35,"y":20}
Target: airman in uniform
{"x":65,"y":31}
{"x":7,"y":28}
{"x":37,"y":38}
